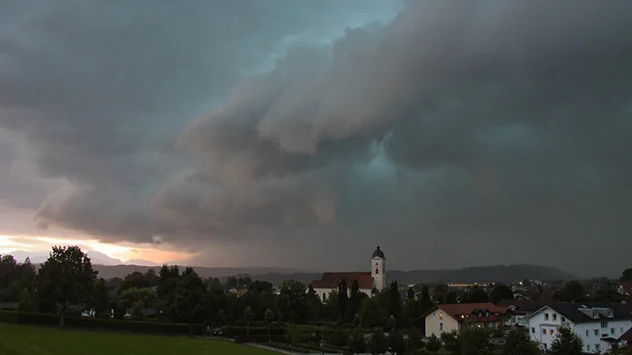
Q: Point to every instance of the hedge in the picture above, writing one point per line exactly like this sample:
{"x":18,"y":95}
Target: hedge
{"x":96,"y":323}
{"x":234,"y":331}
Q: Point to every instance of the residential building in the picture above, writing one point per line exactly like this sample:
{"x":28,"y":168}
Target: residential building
{"x":517,"y":310}
{"x":625,"y":288}
{"x":598,"y":324}
{"x":367,"y":281}
{"x":446,"y":318}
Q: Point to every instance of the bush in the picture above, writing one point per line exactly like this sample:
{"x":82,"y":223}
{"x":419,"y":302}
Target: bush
{"x":232,"y":331}
{"x":28,"y":318}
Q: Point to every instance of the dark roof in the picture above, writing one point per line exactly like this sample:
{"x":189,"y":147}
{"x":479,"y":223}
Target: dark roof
{"x":572,"y":311}
{"x":378,"y":253}
{"x":332,"y":279}
{"x":522,"y":306}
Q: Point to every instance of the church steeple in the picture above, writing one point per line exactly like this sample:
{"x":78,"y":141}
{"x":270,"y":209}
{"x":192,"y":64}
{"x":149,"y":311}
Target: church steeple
{"x":378,"y":269}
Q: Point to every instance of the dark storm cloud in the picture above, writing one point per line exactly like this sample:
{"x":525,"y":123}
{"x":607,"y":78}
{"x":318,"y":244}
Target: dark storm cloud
{"x":493,"y":132}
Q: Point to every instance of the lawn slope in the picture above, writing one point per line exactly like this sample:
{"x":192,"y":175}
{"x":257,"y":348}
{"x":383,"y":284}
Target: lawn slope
{"x":24,"y":340}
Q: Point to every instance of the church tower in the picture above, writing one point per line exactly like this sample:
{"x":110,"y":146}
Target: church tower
{"x":378,"y":269}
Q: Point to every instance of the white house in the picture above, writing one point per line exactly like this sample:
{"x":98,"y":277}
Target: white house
{"x":367,"y":281}
{"x":597,"y":324}
{"x":446,"y":318}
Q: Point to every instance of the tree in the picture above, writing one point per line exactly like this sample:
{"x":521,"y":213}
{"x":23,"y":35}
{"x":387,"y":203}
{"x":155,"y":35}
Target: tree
{"x":451,"y":343}
{"x":394,"y":302}
{"x":292,"y":302}
{"x":567,"y":343}
{"x":137,"y":310}
{"x":434,"y":344}
{"x":66,"y":278}
{"x":378,"y":343}
{"x":608,"y":293}
{"x":476,"y":341}
{"x":343,"y":300}
{"x":25,"y":300}
{"x":371,"y":314}
{"x":397,"y":344}
{"x":526,"y":283}
{"x":248,"y":316}
{"x":355,"y":298}
{"x":392,"y":323}
{"x":517,"y":342}
{"x":269,"y":317}
{"x":414,"y":341}
{"x":100,"y":300}
{"x":626,"y":275}
{"x":191,"y":302}
{"x":501,"y":292}
{"x":357,"y":343}
{"x":450,"y":297}
{"x":477,"y":295}
{"x":573,"y":292}
{"x":426,"y":302}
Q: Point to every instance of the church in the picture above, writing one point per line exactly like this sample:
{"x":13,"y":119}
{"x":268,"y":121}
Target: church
{"x":367,"y":281}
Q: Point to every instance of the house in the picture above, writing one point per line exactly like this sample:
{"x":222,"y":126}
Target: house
{"x":517,"y":310}
{"x":625,"y":288}
{"x":367,"y":281}
{"x":446,"y":318}
{"x":598,"y":324}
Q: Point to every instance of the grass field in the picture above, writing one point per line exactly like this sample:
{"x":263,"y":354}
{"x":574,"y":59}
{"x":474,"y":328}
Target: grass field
{"x":24,"y":340}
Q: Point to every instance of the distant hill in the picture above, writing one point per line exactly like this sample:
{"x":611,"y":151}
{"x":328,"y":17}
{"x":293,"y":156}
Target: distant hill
{"x":481,"y":274}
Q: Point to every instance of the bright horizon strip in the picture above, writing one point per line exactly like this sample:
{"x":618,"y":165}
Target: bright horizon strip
{"x":122,"y":252}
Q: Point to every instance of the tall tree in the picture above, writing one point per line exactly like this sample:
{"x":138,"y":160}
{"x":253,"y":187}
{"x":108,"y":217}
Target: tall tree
{"x":248,"y":316}
{"x":477,"y":295}
{"x":626,"y":275}
{"x":268,"y":317}
{"x":357,"y":343}
{"x":396,"y":342}
{"x":395,"y":302}
{"x":501,"y":292}
{"x":355,"y":297}
{"x":343,"y":300}
{"x":573,"y":292}
{"x":567,"y":343}
{"x":425,"y":300}
{"x":100,"y":300}
{"x":371,"y":315}
{"x":191,"y":302}
{"x":292,"y":302}
{"x":517,"y":342}
{"x":66,"y":278}
{"x":476,"y":341}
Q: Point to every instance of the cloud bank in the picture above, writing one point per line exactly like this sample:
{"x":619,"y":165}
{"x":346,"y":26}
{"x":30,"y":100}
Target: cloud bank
{"x":456,"y":133}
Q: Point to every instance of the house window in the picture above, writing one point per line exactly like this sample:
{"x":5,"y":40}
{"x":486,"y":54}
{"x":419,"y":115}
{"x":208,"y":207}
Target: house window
{"x":440,"y":315}
{"x":612,"y":331}
{"x":598,"y":347}
{"x":595,"y":314}
{"x":554,"y":316}
{"x":604,"y":325}
{"x":587,"y":333}
{"x":441,"y":326}
{"x":546,"y":316}
{"x":588,"y":347}
{"x":552,"y":332}
{"x":532,"y":330}
{"x":563,"y":319}
{"x":543,"y":331}
{"x":324,"y":297}
{"x":596,"y":332}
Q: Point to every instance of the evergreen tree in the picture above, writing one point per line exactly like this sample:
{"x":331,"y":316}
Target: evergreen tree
{"x":517,"y":342}
{"x":378,"y":343}
{"x":567,"y":343}
{"x":394,"y":302}
{"x":343,"y":300}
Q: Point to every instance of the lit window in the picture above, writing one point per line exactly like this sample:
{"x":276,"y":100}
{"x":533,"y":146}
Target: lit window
{"x":553,"y":332}
{"x":440,"y":315}
{"x":544,"y":331}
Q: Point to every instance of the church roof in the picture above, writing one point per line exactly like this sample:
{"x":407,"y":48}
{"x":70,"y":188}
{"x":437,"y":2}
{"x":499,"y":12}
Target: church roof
{"x":332,"y":279}
{"x":378,"y":253}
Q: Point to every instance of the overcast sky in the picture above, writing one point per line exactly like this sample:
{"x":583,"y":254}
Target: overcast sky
{"x":303,"y":133}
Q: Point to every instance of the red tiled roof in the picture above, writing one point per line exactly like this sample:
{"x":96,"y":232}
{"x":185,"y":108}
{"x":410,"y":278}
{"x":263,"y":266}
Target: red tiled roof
{"x":332,"y":279}
{"x":458,"y":309}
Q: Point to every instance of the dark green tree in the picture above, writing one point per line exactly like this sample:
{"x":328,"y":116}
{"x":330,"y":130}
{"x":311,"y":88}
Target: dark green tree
{"x":378,"y":343}
{"x":477,"y":295}
{"x":476,"y":341}
{"x":26,"y":304}
{"x":66,"y":278}
{"x":608,"y":293}
{"x":292,"y":305}
{"x":343,"y":300}
{"x":414,"y":341}
{"x":100,"y":300}
{"x":626,"y":275}
{"x":396,"y":342}
{"x":395,"y":302}
{"x":450,"y":297}
{"x":573,"y":292}
{"x":248,"y":316}
{"x":434,"y":344}
{"x":426,"y":302}
{"x":355,"y":297}
{"x":191,"y":301}
{"x":269,"y":317}
{"x":566,"y":343}
{"x":451,"y":343}
{"x":356,"y":342}
{"x":501,"y":292}
{"x":371,"y":315}
{"x":517,"y":342}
